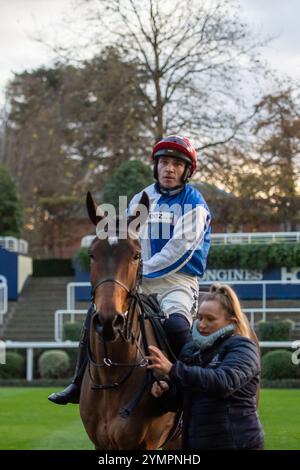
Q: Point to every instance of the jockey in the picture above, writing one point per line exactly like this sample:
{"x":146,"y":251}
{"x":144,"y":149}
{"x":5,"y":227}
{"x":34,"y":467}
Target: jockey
{"x":176,"y":239}
{"x":175,"y":244}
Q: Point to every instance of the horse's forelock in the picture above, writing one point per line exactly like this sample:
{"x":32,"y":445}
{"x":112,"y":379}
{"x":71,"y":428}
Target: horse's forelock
{"x":116,"y":229}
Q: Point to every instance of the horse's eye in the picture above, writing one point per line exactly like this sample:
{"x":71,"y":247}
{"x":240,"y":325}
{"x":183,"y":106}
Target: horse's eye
{"x":91,"y":255}
{"x":137,"y":256}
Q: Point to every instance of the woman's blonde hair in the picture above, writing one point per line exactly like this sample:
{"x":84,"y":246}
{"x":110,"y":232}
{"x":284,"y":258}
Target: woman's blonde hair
{"x":226,"y":296}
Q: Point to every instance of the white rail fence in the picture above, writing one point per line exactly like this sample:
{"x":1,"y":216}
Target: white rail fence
{"x":262,"y":283}
{"x":236,"y":238}
{"x":3,"y":297}
{"x":31,"y":346}
{"x":264,"y":312}
{"x":14,"y":244}
{"x":71,"y":287}
{"x":255,"y":238}
{"x":71,"y":311}
{"x":252,"y":313}
{"x":59,"y":316}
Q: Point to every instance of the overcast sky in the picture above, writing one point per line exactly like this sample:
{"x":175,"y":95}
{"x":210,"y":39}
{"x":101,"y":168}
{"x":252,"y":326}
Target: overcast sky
{"x":20,"y":19}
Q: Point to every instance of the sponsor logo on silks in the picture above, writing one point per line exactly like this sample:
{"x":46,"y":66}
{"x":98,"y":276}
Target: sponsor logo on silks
{"x":162,"y":217}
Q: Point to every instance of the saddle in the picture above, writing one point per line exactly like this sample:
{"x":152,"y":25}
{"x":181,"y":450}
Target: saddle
{"x":156,"y":316}
{"x":153,"y":312}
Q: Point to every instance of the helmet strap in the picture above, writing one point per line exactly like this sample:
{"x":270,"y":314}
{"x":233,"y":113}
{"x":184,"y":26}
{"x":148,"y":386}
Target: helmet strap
{"x":169,"y":191}
{"x":187,"y":173}
{"x":155,"y":172}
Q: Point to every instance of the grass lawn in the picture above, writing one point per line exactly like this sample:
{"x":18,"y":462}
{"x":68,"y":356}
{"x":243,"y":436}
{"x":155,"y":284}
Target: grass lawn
{"x":29,"y":421}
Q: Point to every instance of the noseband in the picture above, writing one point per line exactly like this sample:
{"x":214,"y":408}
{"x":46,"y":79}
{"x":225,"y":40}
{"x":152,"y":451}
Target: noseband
{"x":107,"y":362}
{"x":130,"y":293}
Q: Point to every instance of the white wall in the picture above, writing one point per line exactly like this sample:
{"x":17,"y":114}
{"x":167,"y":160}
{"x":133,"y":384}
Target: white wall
{"x":24,"y":270}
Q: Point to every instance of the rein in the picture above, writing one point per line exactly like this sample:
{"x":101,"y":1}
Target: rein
{"x":129,"y":336}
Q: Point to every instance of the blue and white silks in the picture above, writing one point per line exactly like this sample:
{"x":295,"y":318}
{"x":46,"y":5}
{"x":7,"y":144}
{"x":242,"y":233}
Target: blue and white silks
{"x":176,"y":236}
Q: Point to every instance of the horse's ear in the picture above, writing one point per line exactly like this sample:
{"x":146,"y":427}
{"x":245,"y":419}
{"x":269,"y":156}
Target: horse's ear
{"x":92,"y":209}
{"x":141,"y":213}
{"x":145,"y":201}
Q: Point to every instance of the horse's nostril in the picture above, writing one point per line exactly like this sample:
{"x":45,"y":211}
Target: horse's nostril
{"x":118,"y":321}
{"x":97,"y":324}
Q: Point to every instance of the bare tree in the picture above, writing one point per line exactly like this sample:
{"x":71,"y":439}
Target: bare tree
{"x":277,"y":130}
{"x":194,"y":53}
{"x":66,"y":130}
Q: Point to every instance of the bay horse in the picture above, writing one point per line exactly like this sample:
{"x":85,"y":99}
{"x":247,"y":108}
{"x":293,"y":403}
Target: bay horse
{"x":116,"y":406}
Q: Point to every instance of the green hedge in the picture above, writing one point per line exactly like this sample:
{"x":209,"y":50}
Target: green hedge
{"x":71,"y":331}
{"x":256,"y":257}
{"x":52,"y":267}
{"x":54,"y":364}
{"x":278,"y":365}
{"x":14,"y":366}
{"x":280,"y":383}
{"x":275,"y":330}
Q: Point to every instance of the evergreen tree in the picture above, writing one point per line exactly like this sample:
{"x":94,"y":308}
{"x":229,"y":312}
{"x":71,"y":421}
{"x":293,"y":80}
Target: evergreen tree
{"x":11,"y":213}
{"x":130,"y":178}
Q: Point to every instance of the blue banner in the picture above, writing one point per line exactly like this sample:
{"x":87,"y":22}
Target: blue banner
{"x":9,"y":269}
{"x":245,"y":291}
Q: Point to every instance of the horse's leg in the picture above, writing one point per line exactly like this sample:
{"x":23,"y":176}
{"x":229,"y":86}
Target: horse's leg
{"x":146,"y":445}
{"x":173,"y":444}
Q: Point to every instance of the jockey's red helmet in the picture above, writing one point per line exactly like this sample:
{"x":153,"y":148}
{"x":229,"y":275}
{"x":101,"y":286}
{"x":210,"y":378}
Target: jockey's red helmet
{"x":176,"y":146}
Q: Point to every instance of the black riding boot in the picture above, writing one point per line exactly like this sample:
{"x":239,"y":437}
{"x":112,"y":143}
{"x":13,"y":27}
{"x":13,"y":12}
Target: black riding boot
{"x":178,"y":332}
{"x":71,"y":394}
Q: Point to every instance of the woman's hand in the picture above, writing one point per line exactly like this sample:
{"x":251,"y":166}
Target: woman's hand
{"x":159,"y":387}
{"x":159,"y":362}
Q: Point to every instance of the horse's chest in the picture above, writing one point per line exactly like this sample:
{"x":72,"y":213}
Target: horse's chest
{"x":117,"y":433}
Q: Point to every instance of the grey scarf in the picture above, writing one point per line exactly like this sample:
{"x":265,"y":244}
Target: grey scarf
{"x":204,"y":342}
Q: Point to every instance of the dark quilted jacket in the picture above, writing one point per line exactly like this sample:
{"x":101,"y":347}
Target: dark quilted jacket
{"x":218,"y":389}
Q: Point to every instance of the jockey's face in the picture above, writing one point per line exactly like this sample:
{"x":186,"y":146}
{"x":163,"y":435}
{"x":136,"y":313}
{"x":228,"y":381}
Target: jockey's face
{"x":212,"y":317}
{"x":170,"y":171}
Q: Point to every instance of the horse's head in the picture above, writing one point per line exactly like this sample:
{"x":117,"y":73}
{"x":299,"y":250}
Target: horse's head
{"x":115,"y":266}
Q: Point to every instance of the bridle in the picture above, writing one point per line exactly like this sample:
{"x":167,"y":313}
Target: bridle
{"x":129,"y":335}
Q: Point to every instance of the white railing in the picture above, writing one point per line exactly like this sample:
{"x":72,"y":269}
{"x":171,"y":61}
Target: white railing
{"x":236,"y":238}
{"x":261,"y":283}
{"x":87,"y":240}
{"x":264,"y":312}
{"x":59,"y":321}
{"x":30,"y":346}
{"x":14,"y":244}
{"x":60,"y":314}
{"x":71,"y":310}
{"x":254,"y":238}
{"x":71,"y":293}
{"x":3,"y":297}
